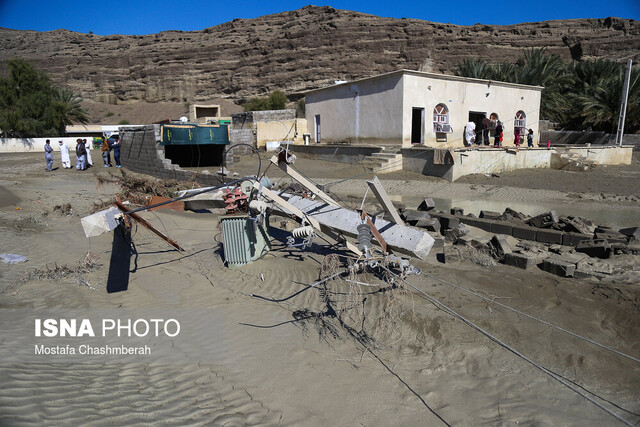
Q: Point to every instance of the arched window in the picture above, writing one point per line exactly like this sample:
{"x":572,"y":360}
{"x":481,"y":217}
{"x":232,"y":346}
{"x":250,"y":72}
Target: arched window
{"x":520,"y":122}
{"x":441,"y":119}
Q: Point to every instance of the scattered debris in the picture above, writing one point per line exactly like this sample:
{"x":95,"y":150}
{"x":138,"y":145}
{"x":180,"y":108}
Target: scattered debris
{"x":88,"y":264}
{"x":65,"y":209}
{"x":13,"y":258}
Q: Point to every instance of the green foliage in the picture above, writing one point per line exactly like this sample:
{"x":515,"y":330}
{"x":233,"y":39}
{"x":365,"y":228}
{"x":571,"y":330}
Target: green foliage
{"x":276,"y":101}
{"x":31,"y":106}
{"x":123,"y":122}
{"x":109,"y":114}
{"x":301,"y":108}
{"x":576,"y":95}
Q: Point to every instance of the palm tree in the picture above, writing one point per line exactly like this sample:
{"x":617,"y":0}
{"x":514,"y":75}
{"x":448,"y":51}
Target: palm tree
{"x":65,"y":109}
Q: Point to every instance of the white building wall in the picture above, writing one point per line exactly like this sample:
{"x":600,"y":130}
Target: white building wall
{"x":366,"y":112}
{"x":464,"y":96}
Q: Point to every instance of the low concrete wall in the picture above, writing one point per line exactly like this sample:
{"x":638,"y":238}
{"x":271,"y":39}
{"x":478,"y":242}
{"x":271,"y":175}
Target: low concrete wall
{"x":609,"y":155}
{"x":336,"y":153}
{"x":22,"y":145}
{"x":496,"y":160}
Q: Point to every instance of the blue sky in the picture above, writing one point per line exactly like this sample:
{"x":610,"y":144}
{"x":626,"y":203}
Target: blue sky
{"x":147,"y":17}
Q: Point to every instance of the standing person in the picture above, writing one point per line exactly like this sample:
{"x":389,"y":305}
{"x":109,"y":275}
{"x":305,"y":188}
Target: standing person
{"x":470,"y":133}
{"x":549,"y":144}
{"x":497,"y":142}
{"x":81,"y":155}
{"x":87,"y":145}
{"x":517,"y":137}
{"x":105,"y":152}
{"x":530,"y":138}
{"x":64,"y":155}
{"x":116,"y":151}
{"x":48,"y":157}
{"x":486,"y":128}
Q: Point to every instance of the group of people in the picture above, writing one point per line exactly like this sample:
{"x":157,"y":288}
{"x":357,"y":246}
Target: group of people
{"x":83,"y":153}
{"x":498,"y":134}
{"x":106,"y":147}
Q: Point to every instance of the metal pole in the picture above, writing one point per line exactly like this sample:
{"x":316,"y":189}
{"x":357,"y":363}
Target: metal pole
{"x":623,"y":104}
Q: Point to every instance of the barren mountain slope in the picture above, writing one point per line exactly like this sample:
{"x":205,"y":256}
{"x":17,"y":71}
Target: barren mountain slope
{"x":293,"y":51}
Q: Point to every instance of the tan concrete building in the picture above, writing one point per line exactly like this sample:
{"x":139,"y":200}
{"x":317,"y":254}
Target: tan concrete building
{"x":413,"y":108}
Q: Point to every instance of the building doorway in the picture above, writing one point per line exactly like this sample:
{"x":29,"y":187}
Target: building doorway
{"x":477,"y":117}
{"x":317,"y":128}
{"x":417,"y":125}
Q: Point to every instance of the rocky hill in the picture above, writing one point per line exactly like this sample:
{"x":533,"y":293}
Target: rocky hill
{"x":293,"y":51}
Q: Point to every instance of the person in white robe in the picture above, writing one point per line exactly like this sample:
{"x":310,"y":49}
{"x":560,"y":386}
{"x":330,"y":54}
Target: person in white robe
{"x":64,"y":155}
{"x":470,"y":133}
{"x":88,"y":147}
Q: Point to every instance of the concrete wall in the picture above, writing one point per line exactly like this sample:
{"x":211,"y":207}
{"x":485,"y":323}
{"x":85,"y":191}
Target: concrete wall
{"x":244,"y":127}
{"x":461,"y":97}
{"x":281,"y":130}
{"x":366,"y":112}
{"x":343,"y":153}
{"x":22,"y":145}
{"x":473,"y":161}
{"x":610,"y":155}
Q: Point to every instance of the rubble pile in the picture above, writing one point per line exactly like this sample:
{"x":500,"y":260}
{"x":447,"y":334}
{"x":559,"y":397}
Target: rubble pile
{"x":567,"y":246}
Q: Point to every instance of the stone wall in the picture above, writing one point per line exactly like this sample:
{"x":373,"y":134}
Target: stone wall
{"x":244,"y":126}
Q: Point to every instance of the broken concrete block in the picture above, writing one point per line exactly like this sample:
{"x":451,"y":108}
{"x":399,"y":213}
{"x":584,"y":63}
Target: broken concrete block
{"x":549,"y":236}
{"x":631,"y":232}
{"x":430,"y":224}
{"x":595,"y":248}
{"x":500,"y":246}
{"x":557,"y":267}
{"x":500,"y":227}
{"x":457,"y":211}
{"x":578,"y":225}
{"x":523,"y":261}
{"x":458,"y":231}
{"x":572,"y":239}
{"x":525,"y":232}
{"x":427,"y":204}
{"x":412,"y":216}
{"x":595,"y":266}
{"x":451,"y":255}
{"x":544,"y":220}
{"x":611,"y":237}
{"x":489,"y":214}
{"x":511,"y":215}
{"x":449,"y":222}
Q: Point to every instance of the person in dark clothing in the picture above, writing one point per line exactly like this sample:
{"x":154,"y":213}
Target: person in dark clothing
{"x":116,"y":151}
{"x":497,"y":142}
{"x":81,"y":155}
{"x":486,"y":128}
{"x":530,"y":138}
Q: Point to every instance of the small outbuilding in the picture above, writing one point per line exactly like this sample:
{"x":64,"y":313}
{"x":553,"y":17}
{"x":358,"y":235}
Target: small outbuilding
{"x":413,"y":108}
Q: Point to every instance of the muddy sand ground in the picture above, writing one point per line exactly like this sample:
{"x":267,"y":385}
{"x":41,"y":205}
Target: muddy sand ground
{"x":398,"y":359}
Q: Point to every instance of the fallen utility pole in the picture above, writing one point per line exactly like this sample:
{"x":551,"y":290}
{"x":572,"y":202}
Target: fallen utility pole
{"x":304,"y":181}
{"x":297,"y":212}
{"x":381,"y":194}
{"x":145,"y":224}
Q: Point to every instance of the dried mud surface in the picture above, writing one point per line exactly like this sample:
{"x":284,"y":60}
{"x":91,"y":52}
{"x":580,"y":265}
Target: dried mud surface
{"x":294,"y":362}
